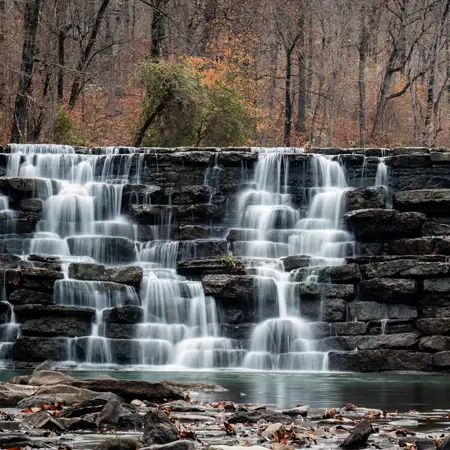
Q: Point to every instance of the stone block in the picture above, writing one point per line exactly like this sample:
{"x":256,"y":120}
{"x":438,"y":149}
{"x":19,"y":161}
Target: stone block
{"x":349,"y":328}
{"x":365,"y":311}
{"x":441,"y":360}
{"x":434,"y":343}
{"x":334,"y":310}
{"x":405,"y":268}
{"x":390,"y":290}
{"x":431,"y":327}
{"x":434,"y":202}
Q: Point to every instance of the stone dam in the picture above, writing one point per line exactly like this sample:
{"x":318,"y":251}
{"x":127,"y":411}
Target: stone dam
{"x":237,"y":258}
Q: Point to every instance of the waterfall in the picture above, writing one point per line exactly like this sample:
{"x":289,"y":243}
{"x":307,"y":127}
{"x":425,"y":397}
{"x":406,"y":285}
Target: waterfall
{"x":83,"y":195}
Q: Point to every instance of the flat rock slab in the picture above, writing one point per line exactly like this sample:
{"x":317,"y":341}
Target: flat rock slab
{"x":131,"y":390}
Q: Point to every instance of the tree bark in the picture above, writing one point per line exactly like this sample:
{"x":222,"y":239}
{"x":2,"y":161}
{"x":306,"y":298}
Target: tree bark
{"x":363,"y":46}
{"x":30,"y":25}
{"x":149,"y":122}
{"x":288,"y":100}
{"x":3,"y":71}
{"x":85,"y":57}
{"x":300,"y":125}
{"x":157,"y":29}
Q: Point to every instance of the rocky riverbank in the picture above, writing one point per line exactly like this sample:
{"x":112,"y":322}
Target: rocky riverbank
{"x":49,"y":409}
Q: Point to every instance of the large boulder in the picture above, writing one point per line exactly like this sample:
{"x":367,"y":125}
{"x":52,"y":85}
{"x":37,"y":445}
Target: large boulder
{"x":48,"y":377}
{"x":10,"y":394}
{"x":132,"y":389}
{"x":97,"y":272}
{"x":364,"y":198}
{"x":435,"y":202}
{"x":405,"y":268}
{"x":384,"y":224}
{"x":158,"y":428}
{"x":391,"y":290}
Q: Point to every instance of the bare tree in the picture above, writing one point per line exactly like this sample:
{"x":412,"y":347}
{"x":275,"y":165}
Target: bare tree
{"x":30,"y":25}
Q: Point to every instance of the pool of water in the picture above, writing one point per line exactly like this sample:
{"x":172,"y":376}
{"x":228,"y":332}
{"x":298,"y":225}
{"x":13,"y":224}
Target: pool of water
{"x":384,"y":391}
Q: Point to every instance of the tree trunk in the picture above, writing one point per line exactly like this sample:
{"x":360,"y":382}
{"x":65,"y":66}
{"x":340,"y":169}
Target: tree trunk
{"x":415,"y":112}
{"x":85,"y":57}
{"x":300,"y":125}
{"x":30,"y":24}
{"x":157,"y":29}
{"x":288,"y":100}
{"x":149,"y":122}
{"x":3,"y":72}
{"x":62,"y":35}
{"x":363,"y":45}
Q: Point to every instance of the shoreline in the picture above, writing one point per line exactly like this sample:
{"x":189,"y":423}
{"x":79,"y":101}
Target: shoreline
{"x":49,"y":408}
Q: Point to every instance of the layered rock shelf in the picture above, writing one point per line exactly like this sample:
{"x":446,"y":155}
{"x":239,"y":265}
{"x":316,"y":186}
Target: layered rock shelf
{"x":379,"y":301}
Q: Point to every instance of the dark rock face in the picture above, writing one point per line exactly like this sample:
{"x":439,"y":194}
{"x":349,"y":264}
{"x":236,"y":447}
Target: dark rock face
{"x":56,"y":327}
{"x":375,"y":224}
{"x":38,"y":349}
{"x":96,"y":272}
{"x":405,"y":268}
{"x":380,"y":360}
{"x":389,"y":290}
{"x":35,"y":278}
{"x":5,"y":312}
{"x":431,"y":327}
{"x":158,"y":428}
{"x":28,"y":312}
{"x":8,"y":261}
{"x":127,"y":314}
{"x":228,"y":286}
{"x":364,"y":198}
{"x":31,"y":205}
{"x":30,"y":297}
{"x":435,"y":202}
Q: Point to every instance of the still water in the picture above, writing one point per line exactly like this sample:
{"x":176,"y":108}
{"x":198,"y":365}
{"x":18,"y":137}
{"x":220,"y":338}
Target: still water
{"x":384,"y":391}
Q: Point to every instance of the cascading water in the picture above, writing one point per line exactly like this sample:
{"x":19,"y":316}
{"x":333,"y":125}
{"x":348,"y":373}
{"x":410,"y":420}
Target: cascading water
{"x":272,"y":228}
{"x":81,"y":221}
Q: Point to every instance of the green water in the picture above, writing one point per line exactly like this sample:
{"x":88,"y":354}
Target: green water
{"x":384,"y":391}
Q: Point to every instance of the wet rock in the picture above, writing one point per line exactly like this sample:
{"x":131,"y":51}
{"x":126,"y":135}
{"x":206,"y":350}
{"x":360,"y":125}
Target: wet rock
{"x":420,"y":443}
{"x":405,"y":268}
{"x":202,"y":248}
{"x":242,"y":234}
{"x":97,"y":272}
{"x":441,"y":359}
{"x":177,"y":445}
{"x":110,"y":414}
{"x":56,"y":327}
{"x":42,"y":420}
{"x":8,"y":261}
{"x":316,"y":413}
{"x":130,"y":390}
{"x":435,"y":229}
{"x":151,"y":214}
{"x":69,"y":394}
{"x":37,"y":400}
{"x":105,"y":249}
{"x":140,"y":194}
{"x":402,"y":312}
{"x":38,"y":278}
{"x":383,"y":224}
{"x":228,"y":286}
{"x":435,"y":343}
{"x":429,"y":201}
{"x":31,"y":205}
{"x":253,"y":416}
{"x":19,"y":379}
{"x":37,"y":349}
{"x":48,"y":378}
{"x":118,"y":443}
{"x":46,"y":365}
{"x":417,"y":246}
{"x":158,"y":428}
{"x":120,"y":330}
{"x":126,"y":314}
{"x":359,"y":435}
{"x":380,"y":360}
{"x":364,"y":198}
{"x":321,"y":290}
{"x":345,"y":343}
{"x":186,"y":387}
{"x":5,"y":312}
{"x":409,"y":160}
{"x":11,"y":394}
{"x":191,"y":232}
{"x":197,"y":267}
{"x":13,"y":442}
{"x":430,"y":327}
{"x":349,"y":328}
{"x":400,"y":341}
{"x":188,"y":195}
{"x":438,"y":285}
{"x":445,"y":444}
{"x":389,"y":290}
{"x":297,"y":411}
{"x":334,"y":310}
{"x":348,"y":273}
{"x":365,"y":311}
{"x":295,"y":262}
{"x":30,"y":297}
{"x":28,"y":312}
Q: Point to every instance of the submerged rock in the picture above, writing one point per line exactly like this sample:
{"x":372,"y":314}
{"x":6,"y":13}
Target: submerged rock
{"x":48,"y":378}
{"x":119,"y":444}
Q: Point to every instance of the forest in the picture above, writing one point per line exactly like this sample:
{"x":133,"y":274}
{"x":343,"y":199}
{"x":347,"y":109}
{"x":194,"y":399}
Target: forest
{"x":225,"y":72}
